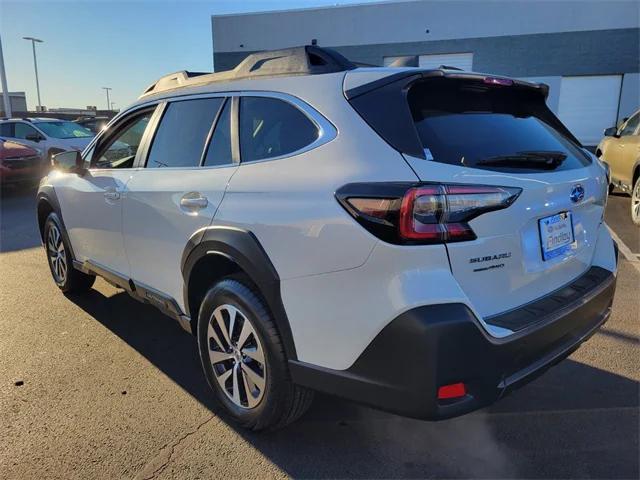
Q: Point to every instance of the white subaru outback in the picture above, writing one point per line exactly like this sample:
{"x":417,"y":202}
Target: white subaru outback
{"x":421,"y":241}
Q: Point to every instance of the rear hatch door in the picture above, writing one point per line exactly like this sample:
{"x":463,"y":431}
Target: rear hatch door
{"x":478,"y":130}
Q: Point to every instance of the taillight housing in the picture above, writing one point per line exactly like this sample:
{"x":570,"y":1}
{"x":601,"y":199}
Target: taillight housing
{"x":424,"y":213}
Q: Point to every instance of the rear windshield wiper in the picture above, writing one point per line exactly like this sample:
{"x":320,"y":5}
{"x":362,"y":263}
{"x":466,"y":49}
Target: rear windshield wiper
{"x":531,"y":159}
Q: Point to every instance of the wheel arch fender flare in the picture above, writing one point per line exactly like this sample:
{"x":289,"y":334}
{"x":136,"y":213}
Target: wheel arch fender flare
{"x":242,"y":248}
{"x":47,"y":200}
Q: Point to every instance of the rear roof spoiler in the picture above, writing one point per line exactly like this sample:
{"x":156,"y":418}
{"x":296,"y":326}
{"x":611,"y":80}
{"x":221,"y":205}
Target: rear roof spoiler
{"x":444,"y":72}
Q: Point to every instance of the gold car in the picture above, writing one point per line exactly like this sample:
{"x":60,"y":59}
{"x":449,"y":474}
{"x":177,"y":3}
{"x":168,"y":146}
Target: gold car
{"x":620,"y":149}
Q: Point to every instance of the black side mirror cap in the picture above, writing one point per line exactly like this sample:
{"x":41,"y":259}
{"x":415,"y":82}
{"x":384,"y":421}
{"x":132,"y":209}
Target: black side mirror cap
{"x":611,"y":132}
{"x":71,"y":162}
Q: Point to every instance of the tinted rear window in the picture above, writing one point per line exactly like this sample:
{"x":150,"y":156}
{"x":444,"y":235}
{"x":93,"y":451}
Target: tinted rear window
{"x":491,"y":127}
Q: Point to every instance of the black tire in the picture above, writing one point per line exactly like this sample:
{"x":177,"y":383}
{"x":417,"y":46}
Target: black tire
{"x":612,"y":187}
{"x":282,"y":402}
{"x":68,"y":280}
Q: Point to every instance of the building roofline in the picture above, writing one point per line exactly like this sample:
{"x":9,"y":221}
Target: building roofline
{"x":307,"y":9}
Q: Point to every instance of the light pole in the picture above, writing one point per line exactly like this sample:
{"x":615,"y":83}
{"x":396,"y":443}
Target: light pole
{"x":108,"y":102}
{"x":35,"y":65}
{"x":5,"y":89}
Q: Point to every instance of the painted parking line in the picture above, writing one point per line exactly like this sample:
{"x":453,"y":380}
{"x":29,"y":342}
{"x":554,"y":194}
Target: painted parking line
{"x":625,"y":250}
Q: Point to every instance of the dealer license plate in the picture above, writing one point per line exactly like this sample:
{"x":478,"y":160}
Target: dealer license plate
{"x":556,"y":235}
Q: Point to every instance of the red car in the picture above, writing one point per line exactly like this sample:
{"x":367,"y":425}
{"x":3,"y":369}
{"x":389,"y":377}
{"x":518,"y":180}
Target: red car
{"x":19,"y":163}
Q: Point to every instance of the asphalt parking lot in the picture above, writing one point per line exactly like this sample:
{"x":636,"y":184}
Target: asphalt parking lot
{"x":101,"y":386}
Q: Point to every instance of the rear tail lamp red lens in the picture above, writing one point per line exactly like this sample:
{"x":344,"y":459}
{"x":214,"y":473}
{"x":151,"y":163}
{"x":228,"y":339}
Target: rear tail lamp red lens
{"x":425,"y":213}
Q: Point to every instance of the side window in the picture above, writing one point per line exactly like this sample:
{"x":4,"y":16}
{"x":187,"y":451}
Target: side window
{"x":631,"y":125}
{"x":22,"y":130}
{"x":119,"y":149}
{"x":219,"y":150}
{"x":181,"y":136}
{"x":6,"y":129}
{"x":270,"y":127}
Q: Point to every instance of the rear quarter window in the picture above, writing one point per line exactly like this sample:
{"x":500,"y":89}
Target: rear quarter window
{"x":270,"y":127}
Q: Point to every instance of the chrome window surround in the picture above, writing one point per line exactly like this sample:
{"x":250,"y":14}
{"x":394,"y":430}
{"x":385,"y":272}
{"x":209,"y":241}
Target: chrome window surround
{"x":326,"y":130}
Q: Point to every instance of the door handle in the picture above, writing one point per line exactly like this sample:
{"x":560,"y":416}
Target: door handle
{"x":111,"y":194}
{"x":194,"y":201}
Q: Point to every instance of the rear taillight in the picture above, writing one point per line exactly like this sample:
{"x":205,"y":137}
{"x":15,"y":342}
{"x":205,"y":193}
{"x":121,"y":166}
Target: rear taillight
{"x":424,"y":213}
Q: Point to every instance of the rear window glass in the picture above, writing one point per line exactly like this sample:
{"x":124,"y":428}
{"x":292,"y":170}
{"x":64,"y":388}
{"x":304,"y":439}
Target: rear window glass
{"x":490,"y":127}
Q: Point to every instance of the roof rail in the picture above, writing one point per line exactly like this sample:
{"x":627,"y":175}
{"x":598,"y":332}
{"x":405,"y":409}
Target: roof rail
{"x":304,"y":60}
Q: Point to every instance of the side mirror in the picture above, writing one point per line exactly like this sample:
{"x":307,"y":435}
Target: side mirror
{"x":70,"y":162}
{"x":611,"y":132}
{"x":33,"y":137}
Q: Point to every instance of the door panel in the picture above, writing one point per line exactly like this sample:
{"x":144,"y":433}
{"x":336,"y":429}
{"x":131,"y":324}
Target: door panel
{"x":92,"y":203}
{"x":626,"y":150}
{"x":92,"y":209}
{"x":630,"y":153}
{"x":161,"y":211}
{"x":613,"y":156}
{"x":173,"y":196}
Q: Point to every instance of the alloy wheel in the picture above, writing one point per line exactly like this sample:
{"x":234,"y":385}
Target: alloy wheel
{"x":57,"y":254}
{"x":236,"y":356}
{"x":635,"y":203}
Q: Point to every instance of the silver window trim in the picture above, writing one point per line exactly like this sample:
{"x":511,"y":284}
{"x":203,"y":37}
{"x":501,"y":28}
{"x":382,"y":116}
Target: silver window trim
{"x":326,"y":130}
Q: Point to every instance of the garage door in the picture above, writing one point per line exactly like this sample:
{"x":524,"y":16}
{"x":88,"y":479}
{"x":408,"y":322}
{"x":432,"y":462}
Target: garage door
{"x":589,"y":104}
{"x":458,"y":60}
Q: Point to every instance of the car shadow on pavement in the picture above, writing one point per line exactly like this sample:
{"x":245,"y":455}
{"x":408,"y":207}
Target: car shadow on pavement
{"x":575,"y":421}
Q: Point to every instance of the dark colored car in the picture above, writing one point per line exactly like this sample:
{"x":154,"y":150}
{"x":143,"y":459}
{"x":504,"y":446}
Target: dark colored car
{"x":19,"y":163}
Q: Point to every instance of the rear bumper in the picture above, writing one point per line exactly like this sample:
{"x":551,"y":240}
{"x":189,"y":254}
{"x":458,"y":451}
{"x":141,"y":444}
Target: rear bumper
{"x":431,"y":346}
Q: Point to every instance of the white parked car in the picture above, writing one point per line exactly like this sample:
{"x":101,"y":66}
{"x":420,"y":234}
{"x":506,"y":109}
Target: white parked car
{"x":421,"y":241}
{"x":48,"y":135}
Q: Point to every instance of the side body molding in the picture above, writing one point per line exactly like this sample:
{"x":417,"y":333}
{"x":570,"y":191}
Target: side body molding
{"x":242,"y":248}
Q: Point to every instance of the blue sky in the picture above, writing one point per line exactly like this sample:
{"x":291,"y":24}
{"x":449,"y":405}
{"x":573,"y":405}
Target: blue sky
{"x":91,"y":44}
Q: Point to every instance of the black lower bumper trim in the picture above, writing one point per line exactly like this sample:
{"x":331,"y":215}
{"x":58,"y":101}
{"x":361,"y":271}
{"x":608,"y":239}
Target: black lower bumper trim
{"x":541,"y":309}
{"x":431,"y":346}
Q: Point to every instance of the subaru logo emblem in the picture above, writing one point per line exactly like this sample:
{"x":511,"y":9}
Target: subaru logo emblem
{"x":577,"y":193}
